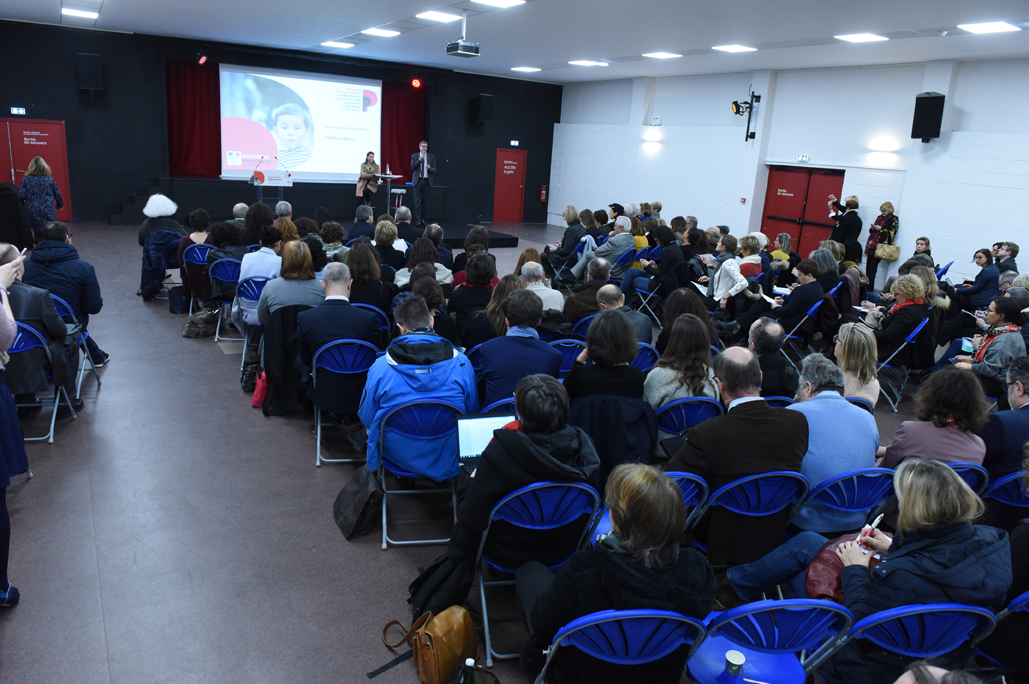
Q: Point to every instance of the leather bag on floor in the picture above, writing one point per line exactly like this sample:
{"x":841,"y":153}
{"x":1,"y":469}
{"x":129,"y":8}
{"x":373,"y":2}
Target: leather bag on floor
{"x":357,"y":506}
{"x":440,"y":644}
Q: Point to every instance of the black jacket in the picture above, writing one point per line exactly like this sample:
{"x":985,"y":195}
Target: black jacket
{"x":374,"y":293}
{"x":670,"y":256}
{"x":466,"y":299}
{"x":34,"y":307}
{"x":604,"y":579}
{"x":56,"y":266}
{"x":285,"y":386}
{"x":151,"y":225}
{"x":13,"y":227}
{"x":1007,"y":265}
{"x":159,"y":253}
{"x":778,"y":376}
{"x":956,"y":563}
{"x":360,"y":229}
{"x":797,"y":305}
{"x":570,"y":240}
{"x":623,"y":429}
{"x":583,"y":301}
{"x":897,"y":325}
{"x":392,"y":257}
{"x":848,"y":225}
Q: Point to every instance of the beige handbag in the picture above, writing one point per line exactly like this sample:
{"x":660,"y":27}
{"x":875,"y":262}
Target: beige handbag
{"x":887,"y":252}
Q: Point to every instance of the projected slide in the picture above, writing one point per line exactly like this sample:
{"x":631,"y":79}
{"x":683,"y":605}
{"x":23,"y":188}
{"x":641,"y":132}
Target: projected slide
{"x":319,"y":127}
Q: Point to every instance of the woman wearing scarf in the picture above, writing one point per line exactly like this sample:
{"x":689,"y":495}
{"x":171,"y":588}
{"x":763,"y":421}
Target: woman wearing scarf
{"x":882,"y":232}
{"x":902,"y":319}
{"x":995,"y":350}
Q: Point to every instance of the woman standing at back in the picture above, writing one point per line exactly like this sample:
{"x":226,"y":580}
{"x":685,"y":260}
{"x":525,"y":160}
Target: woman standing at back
{"x":40,"y":195}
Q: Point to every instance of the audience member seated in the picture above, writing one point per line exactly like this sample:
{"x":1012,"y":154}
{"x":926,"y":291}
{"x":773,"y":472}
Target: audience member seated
{"x":307,"y":227}
{"x":681,"y":301}
{"x":727,"y":281}
{"x":532,"y":275}
{"x":652,"y":271}
{"x":901,"y":321}
{"x":778,"y":376}
{"x":951,"y":408}
{"x":986,"y":286}
{"x":995,"y":350}
{"x":476,"y":242}
{"x":284,"y":210}
{"x":583,"y":301}
{"x":828,"y":268}
{"x":591,"y":222}
{"x":226,"y":241}
{"x":610,"y":298}
{"x":434,"y":232}
{"x":485,"y":324}
{"x":364,"y":224}
{"x":423,"y":252}
{"x":55,"y":266}
{"x":1006,"y":253}
{"x":385,"y":236}
{"x":841,"y":437}
{"x":266,"y":262}
{"x":34,"y":307}
{"x":477,"y":290}
{"x":611,"y":346}
{"x":937,"y":556}
{"x":287,"y":228}
{"x":296,"y":284}
{"x":405,"y":231}
{"x":418,"y":366}
{"x":750,"y":439}
{"x":159,"y":212}
{"x":422,"y":270}
{"x":613,"y":248}
{"x":333,"y":320}
{"x":334,"y":236}
{"x":1006,"y":432}
{"x":368,"y":288}
{"x":239,"y":214}
{"x":684,"y":369}
{"x":508,"y":359}
{"x":638,"y":565}
{"x":856,"y":354}
{"x":565,"y":247}
{"x":318,"y":258}
{"x":443,"y":325}
{"x":528,"y":254}
{"x":198,"y":222}
{"x":257,"y":217}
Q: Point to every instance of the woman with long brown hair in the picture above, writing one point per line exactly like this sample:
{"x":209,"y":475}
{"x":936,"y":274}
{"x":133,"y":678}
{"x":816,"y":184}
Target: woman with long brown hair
{"x":296,"y":283}
{"x":685,"y":300}
{"x":684,"y":369}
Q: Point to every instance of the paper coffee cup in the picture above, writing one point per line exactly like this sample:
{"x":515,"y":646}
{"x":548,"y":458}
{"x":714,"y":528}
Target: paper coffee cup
{"x":734,"y":663}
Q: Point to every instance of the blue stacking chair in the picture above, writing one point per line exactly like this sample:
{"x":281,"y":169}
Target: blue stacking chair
{"x":226,"y":271}
{"x":694,"y":492}
{"x":380,"y":315}
{"x":715,"y":351}
{"x":853,"y":491}
{"x":68,"y":316}
{"x":343,"y":357}
{"x":648,"y":296}
{"x":248,"y":294}
{"x":570,"y":350}
{"x":770,"y":634}
{"x":757,"y":495}
{"x":655,"y":252}
{"x":26,"y":339}
{"x":563,"y":271}
{"x":254,"y":248}
{"x":919,"y":631}
{"x":628,"y":637}
{"x":1020,"y":604}
{"x":863,"y":403}
{"x":475,"y":356}
{"x":943,"y":271}
{"x":624,"y":259}
{"x":500,"y":406}
{"x":885,"y":381}
{"x":642,"y":254}
{"x":678,"y":416}
{"x":539,"y":506}
{"x":792,"y":339}
{"x":779,"y":402}
{"x":386,"y":269}
{"x":973,"y":474}
{"x":196,"y":255}
{"x":416,"y":420}
{"x":646,"y":357}
{"x":582,"y":327}
{"x":1009,"y":490}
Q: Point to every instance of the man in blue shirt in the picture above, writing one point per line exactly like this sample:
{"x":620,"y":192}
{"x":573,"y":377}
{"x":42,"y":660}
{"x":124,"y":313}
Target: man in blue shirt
{"x":1007,"y":431}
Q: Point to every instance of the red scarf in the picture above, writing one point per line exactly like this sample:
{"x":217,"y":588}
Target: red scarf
{"x":993,"y":334}
{"x":910,"y":302}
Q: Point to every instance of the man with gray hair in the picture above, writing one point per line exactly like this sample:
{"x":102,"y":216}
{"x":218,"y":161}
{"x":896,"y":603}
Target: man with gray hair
{"x":364,"y":224}
{"x":1007,"y":431}
{"x":1006,"y":279}
{"x":619,"y":243}
{"x":778,"y":376}
{"x":691,"y":222}
{"x":239,"y":212}
{"x":841,"y":437}
{"x":334,"y":319}
{"x":405,"y":231}
{"x":611,"y":298}
{"x":284,"y":210}
{"x":434,"y":232}
{"x":583,"y":301}
{"x":532,"y":276}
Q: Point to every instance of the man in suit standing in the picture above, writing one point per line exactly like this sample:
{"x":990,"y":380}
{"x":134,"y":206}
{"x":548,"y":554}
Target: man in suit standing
{"x":750,"y":439}
{"x":423,"y":165}
{"x":334,"y":319}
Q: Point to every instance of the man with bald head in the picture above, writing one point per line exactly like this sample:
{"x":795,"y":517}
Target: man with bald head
{"x":778,"y":376}
{"x":239,"y":213}
{"x":750,"y":439}
{"x":611,"y":297}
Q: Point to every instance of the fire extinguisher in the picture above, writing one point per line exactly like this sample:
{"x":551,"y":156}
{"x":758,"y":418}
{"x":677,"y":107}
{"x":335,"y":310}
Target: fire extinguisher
{"x":543,"y":193}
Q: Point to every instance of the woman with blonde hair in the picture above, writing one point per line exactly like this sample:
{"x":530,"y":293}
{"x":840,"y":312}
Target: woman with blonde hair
{"x":40,"y":195}
{"x":938,"y":555}
{"x":385,"y":237}
{"x":894,"y":327}
{"x":656,"y":208}
{"x":856,"y":355}
{"x":563,"y":251}
{"x":882,"y":232}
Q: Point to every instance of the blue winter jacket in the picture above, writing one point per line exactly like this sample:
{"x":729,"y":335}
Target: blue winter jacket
{"x":986,"y":287}
{"x":56,"y":266}
{"x":417,"y":367}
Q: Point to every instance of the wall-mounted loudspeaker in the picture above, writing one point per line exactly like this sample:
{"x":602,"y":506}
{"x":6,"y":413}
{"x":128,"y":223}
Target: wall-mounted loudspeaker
{"x":91,"y":72}
{"x":928,"y":116}
{"x":484,"y":108}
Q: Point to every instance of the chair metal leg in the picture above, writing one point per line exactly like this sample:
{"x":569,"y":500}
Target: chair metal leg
{"x":485,"y":619}
{"x":317,"y":430}
{"x":218,"y":325}
{"x":385,"y":496}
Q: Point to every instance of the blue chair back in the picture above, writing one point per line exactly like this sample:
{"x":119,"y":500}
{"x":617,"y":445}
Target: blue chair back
{"x":225,"y":270}
{"x":923,"y":631}
{"x":680,"y":415}
{"x":626,"y":257}
{"x":581,"y":329}
{"x":249,"y":289}
{"x":344,"y":357}
{"x":715,"y":351}
{"x":910,"y":339}
{"x":836,"y":289}
{"x":197,"y":254}
{"x":779,"y":402}
{"x":379,"y":313}
{"x":500,"y":406}
{"x":1020,"y":604}
{"x":475,"y":356}
{"x":973,"y":474}
{"x":646,"y":357}
{"x":1009,"y":490}
{"x":63,"y":309}
{"x":855,"y":490}
{"x":693,"y":487}
{"x":628,"y":637}
{"x":27,"y":338}
{"x":810,"y":314}
{"x":863,"y":403}
{"x":759,"y":495}
{"x":254,"y":248}
{"x":655,"y":252}
{"x":570,"y":350}
{"x":943,"y":270}
{"x":642,"y":254}
{"x":418,"y":420}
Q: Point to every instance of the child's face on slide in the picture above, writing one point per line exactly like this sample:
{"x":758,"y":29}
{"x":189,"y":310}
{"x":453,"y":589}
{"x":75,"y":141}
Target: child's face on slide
{"x":290,"y":130}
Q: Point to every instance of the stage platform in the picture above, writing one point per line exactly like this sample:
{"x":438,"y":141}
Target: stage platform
{"x":455,"y":233}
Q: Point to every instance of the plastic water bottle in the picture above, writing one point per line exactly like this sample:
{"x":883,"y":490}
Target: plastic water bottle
{"x":467,"y":675}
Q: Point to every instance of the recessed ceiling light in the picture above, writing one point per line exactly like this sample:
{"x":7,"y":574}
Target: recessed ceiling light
{"x":989,"y":27}
{"x":336,"y":44}
{"x":85,"y":14}
{"x":662,"y":55}
{"x":861,"y":38}
{"x":438,"y":16}
{"x":382,"y":33}
{"x":526,"y":69}
{"x":500,"y":3}
{"x":734,"y":48}
{"x":587,"y":62}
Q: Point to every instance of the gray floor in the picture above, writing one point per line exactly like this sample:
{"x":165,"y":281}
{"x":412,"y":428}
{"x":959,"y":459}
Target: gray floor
{"x":174,"y":534}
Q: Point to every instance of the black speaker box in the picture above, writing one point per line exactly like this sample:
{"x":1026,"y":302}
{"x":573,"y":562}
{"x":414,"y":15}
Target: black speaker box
{"x":928,"y":116}
{"x":91,"y":72}
{"x":484,"y":108}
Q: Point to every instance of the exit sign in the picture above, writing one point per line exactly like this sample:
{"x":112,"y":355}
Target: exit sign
{"x":18,"y":111}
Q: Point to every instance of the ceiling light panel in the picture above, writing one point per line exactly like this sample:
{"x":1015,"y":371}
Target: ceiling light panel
{"x":662,"y":55}
{"x":337,"y":44}
{"x":989,"y":27}
{"x":381,"y":33}
{"x":587,"y":62}
{"x":734,"y":48}
{"x":82,"y":14}
{"x":438,"y":16}
{"x":500,"y":3}
{"x":525,"y":69}
{"x":861,"y":38}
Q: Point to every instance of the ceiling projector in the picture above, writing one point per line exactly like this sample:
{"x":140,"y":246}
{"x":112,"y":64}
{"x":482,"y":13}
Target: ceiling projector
{"x":463,"y":48}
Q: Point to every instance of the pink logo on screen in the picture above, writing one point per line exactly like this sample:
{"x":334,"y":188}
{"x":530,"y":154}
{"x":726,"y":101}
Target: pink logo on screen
{"x":247,"y":145}
{"x":369,"y":100}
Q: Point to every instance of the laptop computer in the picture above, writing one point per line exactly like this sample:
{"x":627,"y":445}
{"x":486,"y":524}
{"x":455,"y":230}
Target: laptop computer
{"x":474,"y":432}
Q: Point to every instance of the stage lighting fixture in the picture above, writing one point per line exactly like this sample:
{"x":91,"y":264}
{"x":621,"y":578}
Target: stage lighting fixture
{"x":416,"y":83}
{"x":740,"y":108}
{"x":202,"y":57}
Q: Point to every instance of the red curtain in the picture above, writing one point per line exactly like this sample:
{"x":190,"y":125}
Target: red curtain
{"x":403,"y":126}
{"x":194,"y":125}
